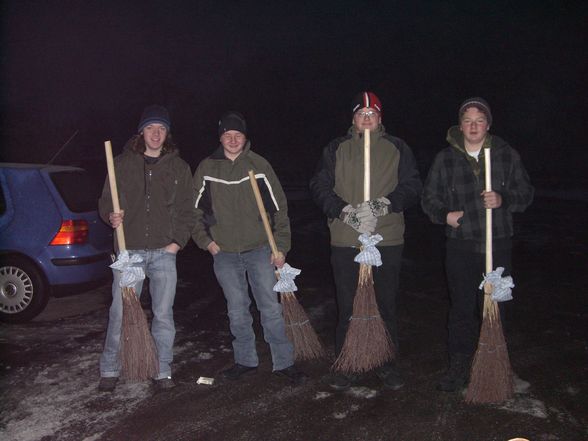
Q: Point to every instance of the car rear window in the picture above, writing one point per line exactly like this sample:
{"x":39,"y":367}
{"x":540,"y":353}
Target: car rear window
{"x":79,"y":191}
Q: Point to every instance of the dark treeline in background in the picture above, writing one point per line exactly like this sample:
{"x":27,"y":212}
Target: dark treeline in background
{"x":292,"y":68}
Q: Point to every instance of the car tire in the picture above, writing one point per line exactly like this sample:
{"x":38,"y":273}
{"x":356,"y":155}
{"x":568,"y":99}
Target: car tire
{"x":23,"y":290}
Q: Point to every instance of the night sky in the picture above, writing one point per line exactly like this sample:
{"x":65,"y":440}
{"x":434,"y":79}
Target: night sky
{"x":292,"y":68}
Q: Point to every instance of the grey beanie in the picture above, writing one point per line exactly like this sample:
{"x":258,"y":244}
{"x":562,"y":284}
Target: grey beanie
{"x":232,"y":121}
{"x":479,"y":103}
{"x":154,"y":114}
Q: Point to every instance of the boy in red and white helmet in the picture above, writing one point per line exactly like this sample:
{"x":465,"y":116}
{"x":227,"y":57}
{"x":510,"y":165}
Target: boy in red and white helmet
{"x":337,"y":187}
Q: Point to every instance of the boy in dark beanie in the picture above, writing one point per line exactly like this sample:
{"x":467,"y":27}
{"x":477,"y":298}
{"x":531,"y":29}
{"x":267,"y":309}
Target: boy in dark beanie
{"x":157,"y":226}
{"x":229,"y":227}
{"x":455,"y":196}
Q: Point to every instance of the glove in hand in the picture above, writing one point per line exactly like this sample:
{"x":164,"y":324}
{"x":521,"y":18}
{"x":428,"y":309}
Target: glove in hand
{"x":362,"y":221}
{"x":377,"y":207}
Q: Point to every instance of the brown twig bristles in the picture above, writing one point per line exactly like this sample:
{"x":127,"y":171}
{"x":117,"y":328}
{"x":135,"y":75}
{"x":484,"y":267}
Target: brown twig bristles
{"x":138,"y":353}
{"x":491,"y":378}
{"x":307,"y":345}
{"x":367,"y":344}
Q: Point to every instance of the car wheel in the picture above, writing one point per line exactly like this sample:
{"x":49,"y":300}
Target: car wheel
{"x":23,"y":291}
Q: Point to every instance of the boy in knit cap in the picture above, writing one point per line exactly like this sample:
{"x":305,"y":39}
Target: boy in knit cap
{"x":229,"y":227}
{"x":337,"y":188}
{"x":156,"y":200}
{"x":455,"y":196}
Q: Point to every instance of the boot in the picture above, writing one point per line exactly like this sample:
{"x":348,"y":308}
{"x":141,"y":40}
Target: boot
{"x":390,"y":376}
{"x":458,"y":374}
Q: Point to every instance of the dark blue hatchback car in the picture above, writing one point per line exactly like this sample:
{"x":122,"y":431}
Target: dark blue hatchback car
{"x":52,"y":240}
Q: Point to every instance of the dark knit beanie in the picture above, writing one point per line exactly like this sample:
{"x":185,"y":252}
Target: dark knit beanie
{"x":232,"y":121}
{"x":154,"y":114}
{"x":366,"y":99}
{"x":479,"y":103}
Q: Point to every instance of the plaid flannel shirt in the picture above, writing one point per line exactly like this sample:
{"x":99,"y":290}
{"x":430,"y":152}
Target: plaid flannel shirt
{"x":455,"y":183}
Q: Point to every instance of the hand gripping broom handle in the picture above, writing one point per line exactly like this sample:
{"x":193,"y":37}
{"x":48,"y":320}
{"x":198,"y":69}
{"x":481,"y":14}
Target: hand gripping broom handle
{"x":262,"y":212}
{"x":488,"y":185}
{"x":120,"y":235}
{"x":366,"y":165}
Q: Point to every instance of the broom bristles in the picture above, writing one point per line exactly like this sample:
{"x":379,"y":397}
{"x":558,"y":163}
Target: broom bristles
{"x":367,"y":343}
{"x":307,"y":345}
{"x":491,"y":374}
{"x":138,"y":353}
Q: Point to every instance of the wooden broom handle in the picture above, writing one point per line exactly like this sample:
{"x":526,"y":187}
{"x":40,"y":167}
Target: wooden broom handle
{"x":488,"y":187}
{"x":366,"y":165}
{"x":263,"y":214}
{"x":120,"y":235}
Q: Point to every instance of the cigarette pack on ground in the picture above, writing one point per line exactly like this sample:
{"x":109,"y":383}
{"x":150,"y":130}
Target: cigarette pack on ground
{"x":205,"y":380}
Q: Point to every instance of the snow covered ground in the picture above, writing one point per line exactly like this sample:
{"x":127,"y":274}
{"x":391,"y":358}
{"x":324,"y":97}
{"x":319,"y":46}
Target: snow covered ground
{"x":49,"y":367}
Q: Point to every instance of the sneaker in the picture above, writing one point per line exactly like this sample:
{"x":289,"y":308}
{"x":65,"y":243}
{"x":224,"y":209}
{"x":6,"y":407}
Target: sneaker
{"x":390,"y":376}
{"x":107,"y":384}
{"x":295,"y":376}
{"x":162,"y":384}
{"x":458,"y":374}
{"x":237,"y":371}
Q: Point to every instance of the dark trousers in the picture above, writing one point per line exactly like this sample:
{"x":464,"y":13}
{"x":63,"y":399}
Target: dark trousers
{"x":346,"y":274}
{"x":465,"y":271}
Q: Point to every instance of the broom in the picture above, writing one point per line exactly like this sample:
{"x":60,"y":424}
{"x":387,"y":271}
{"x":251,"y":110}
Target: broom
{"x":491,"y":375}
{"x":306,"y":343}
{"x":367,"y":343}
{"x":138,"y":353}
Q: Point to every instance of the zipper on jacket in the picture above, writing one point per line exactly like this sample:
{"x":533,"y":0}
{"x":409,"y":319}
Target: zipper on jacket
{"x":148,"y":176}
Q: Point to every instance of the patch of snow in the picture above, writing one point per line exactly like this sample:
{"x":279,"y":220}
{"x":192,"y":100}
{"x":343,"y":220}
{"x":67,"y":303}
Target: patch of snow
{"x":65,"y":395}
{"x":362,"y":392}
{"x":340,"y":415}
{"x":526,"y":405}
{"x":205,"y":356}
{"x":322,"y":395}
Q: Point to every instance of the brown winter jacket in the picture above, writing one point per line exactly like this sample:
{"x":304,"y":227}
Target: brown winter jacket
{"x":157,"y":200}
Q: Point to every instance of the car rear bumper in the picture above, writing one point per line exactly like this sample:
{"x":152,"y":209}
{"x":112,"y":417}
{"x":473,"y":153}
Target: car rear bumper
{"x":72,"y":261}
{"x":78,"y":270}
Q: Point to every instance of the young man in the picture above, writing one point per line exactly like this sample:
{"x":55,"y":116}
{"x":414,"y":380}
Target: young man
{"x":455,"y":196}
{"x":229,"y":226}
{"x":337,"y":188}
{"x":156,"y":200}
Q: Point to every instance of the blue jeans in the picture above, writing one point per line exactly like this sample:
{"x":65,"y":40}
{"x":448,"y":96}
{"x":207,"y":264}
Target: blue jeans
{"x":232,"y":271}
{"x":160,"y":267}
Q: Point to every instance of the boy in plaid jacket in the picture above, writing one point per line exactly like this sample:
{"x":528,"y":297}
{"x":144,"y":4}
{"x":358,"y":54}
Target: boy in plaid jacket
{"x":454,"y":196}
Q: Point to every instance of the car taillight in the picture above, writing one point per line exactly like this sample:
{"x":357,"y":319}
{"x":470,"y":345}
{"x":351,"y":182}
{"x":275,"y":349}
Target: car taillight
{"x":71,"y":232}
